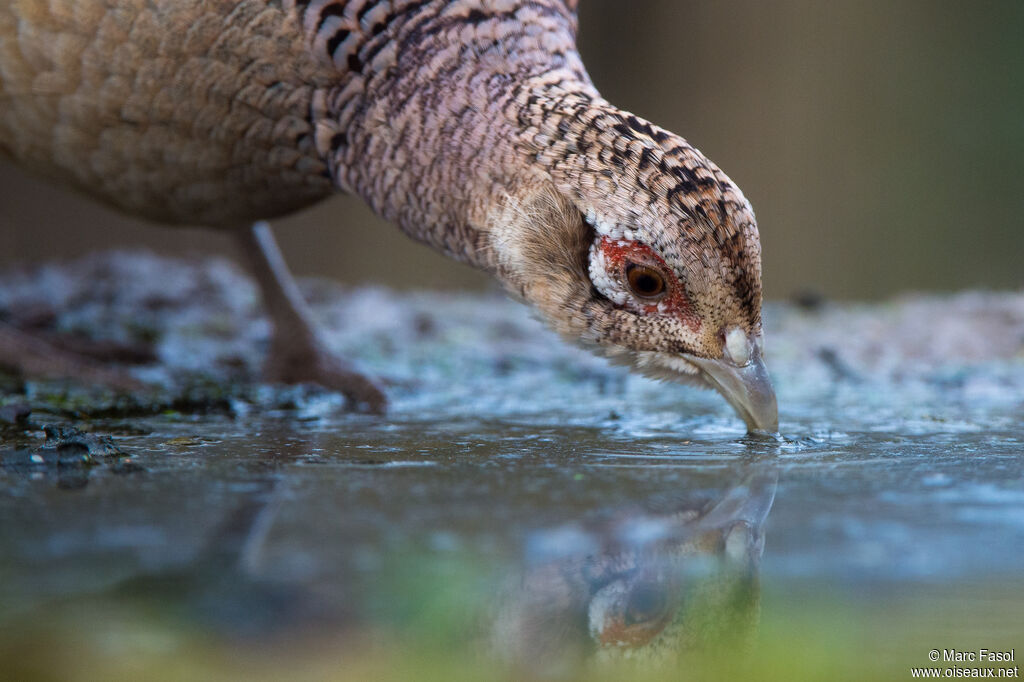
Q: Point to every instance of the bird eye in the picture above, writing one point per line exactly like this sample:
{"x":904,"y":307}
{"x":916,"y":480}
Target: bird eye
{"x":646,"y":282}
{"x":647,"y":603}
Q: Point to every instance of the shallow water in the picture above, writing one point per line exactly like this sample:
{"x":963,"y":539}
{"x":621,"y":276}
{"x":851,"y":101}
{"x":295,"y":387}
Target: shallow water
{"x":524,"y":510}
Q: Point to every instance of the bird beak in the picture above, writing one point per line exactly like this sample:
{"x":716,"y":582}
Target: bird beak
{"x":747,"y":388}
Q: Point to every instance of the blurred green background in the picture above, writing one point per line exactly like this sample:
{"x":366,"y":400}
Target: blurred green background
{"x":881,"y":143}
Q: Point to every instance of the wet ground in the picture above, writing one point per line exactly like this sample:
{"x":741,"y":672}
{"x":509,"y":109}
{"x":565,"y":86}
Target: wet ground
{"x":524,"y":510}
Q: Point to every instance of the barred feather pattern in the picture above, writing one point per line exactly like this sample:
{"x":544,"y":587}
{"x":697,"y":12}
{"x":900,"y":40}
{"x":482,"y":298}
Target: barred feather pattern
{"x":419,"y":124}
{"x":438,"y":113}
{"x":448,"y":106}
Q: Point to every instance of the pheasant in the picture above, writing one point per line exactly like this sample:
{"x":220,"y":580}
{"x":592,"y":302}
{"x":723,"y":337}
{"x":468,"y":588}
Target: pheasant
{"x":472,"y":124}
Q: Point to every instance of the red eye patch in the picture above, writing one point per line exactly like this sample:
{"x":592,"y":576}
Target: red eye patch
{"x":620,"y":254}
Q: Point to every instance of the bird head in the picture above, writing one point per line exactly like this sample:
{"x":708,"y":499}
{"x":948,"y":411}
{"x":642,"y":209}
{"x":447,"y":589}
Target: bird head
{"x":633,"y":243}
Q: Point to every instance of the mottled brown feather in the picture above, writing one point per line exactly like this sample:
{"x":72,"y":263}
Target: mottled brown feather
{"x":472,"y":124}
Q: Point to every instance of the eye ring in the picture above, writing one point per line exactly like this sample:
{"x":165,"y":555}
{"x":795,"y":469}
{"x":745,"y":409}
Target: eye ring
{"x":645,"y":282}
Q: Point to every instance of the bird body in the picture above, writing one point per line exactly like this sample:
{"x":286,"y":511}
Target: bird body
{"x":182,"y":111}
{"x":472,"y":124}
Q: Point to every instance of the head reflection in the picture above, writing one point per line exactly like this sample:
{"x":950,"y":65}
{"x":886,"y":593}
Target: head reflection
{"x":643,"y":585}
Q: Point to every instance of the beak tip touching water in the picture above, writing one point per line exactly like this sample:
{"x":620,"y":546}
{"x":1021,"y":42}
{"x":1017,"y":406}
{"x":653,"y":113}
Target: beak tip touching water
{"x":748,"y":389}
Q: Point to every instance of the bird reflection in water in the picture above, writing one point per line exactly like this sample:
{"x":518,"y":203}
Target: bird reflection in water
{"x":677,"y":574}
{"x":642,"y":586}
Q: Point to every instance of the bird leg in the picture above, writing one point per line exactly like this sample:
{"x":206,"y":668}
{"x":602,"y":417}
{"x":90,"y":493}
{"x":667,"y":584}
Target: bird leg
{"x":297,"y":354}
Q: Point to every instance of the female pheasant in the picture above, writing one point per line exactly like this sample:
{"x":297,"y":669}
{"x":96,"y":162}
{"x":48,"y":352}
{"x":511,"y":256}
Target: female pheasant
{"x":472,"y":124}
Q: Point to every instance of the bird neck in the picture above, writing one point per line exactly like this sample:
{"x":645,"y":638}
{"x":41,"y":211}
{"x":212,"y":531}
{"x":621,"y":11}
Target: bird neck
{"x":435,"y":130}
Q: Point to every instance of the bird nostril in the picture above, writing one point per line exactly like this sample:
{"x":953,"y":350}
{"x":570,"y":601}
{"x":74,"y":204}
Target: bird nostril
{"x":737,"y":346}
